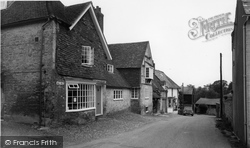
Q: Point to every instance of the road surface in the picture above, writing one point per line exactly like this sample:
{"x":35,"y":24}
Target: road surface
{"x":178,"y":131}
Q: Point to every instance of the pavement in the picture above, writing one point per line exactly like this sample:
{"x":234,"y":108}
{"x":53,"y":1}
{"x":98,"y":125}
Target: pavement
{"x":174,"y":131}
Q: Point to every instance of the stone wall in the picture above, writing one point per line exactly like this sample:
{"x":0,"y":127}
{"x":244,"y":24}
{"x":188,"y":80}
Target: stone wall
{"x":112,"y":105}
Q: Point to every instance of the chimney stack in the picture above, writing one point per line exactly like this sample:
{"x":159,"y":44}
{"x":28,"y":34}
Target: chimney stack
{"x":99,"y":16}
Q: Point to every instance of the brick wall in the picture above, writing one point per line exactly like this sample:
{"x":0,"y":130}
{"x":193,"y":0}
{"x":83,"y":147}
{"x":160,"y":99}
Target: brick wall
{"x":112,"y":105}
{"x":68,"y":64}
{"x":21,"y":51}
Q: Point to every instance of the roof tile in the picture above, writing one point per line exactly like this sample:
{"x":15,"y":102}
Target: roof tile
{"x":163,"y":77}
{"x":128,"y":55}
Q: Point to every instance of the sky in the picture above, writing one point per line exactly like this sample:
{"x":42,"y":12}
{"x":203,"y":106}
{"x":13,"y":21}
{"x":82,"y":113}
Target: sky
{"x":165,"y":24}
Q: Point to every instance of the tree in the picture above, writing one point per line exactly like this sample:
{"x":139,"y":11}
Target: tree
{"x":216,"y":86}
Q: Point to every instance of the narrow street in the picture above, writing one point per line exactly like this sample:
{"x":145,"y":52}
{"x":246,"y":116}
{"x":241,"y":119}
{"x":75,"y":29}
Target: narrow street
{"x":178,"y":131}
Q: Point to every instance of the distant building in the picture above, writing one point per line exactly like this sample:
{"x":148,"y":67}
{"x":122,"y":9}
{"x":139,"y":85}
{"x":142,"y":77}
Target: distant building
{"x":135,"y":63}
{"x":207,"y":106}
{"x":172,"y":88}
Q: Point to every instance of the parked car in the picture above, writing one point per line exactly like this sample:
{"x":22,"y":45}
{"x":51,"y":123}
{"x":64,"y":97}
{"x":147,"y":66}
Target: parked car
{"x":188,"y":111}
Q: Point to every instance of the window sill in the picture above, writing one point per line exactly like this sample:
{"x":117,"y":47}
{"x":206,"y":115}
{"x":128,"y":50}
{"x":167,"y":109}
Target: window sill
{"x":134,"y":98}
{"x":87,"y":65}
{"x":79,"y":110}
{"x":118,"y":99}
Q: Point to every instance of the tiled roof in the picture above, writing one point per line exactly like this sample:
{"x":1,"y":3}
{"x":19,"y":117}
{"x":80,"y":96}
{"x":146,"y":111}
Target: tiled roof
{"x":21,"y":11}
{"x":75,"y":10}
{"x":131,"y":75}
{"x":163,"y":77}
{"x":157,"y":88}
{"x":157,"y":84}
{"x":207,"y":101}
{"x":116,"y":80}
{"x":128,"y":55}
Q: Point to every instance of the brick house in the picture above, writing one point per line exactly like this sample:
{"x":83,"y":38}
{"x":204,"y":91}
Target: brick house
{"x":172,"y":89}
{"x":56,"y":64}
{"x":134,"y":62}
{"x":241,"y":71}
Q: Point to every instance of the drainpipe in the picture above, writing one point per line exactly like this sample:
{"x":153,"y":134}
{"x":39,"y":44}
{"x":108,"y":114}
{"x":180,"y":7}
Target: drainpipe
{"x":41,"y":68}
{"x":50,"y":17}
{"x":244,"y":77}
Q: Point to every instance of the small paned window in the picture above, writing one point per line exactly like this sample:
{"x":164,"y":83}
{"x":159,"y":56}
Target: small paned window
{"x":80,"y":97}
{"x":135,"y":93}
{"x":117,"y":94}
{"x":147,"y":72}
{"x":110,"y":68}
{"x":87,"y":56}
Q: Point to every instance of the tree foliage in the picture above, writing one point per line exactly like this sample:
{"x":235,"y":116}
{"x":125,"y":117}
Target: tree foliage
{"x":212,"y":90}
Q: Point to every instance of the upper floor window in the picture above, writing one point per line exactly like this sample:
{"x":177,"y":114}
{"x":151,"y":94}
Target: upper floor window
{"x":110,"y":68}
{"x":87,"y":56}
{"x":149,"y":73}
{"x":5,"y":4}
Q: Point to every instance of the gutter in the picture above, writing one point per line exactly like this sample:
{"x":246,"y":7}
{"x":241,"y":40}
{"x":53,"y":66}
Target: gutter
{"x":244,"y":79}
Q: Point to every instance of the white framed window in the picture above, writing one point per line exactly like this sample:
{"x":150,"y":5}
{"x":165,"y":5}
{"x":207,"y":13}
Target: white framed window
{"x":80,"y":97}
{"x":135,"y":94}
{"x":117,"y":94}
{"x":3,"y":5}
{"x":110,"y":68}
{"x":87,"y":56}
{"x":149,"y":73}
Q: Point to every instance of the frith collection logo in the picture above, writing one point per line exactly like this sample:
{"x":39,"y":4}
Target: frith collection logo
{"x":210,"y":28}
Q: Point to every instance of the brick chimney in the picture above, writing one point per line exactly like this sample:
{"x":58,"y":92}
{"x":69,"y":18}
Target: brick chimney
{"x":99,"y":16}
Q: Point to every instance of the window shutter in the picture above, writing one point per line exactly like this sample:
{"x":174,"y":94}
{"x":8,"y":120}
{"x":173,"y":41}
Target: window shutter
{"x":92,"y":56}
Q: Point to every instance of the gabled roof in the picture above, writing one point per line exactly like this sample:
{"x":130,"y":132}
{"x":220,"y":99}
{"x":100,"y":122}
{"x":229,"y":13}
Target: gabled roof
{"x":21,"y":11}
{"x":128,"y":55}
{"x":207,"y":101}
{"x":157,"y":84}
{"x":163,"y":77}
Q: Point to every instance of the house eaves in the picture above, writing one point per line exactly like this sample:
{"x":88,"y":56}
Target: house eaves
{"x":99,"y":31}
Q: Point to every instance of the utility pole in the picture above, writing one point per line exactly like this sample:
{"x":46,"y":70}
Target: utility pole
{"x":221,"y":87}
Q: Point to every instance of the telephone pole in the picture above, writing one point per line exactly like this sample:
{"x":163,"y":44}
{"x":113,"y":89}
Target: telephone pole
{"x":221,"y":87}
